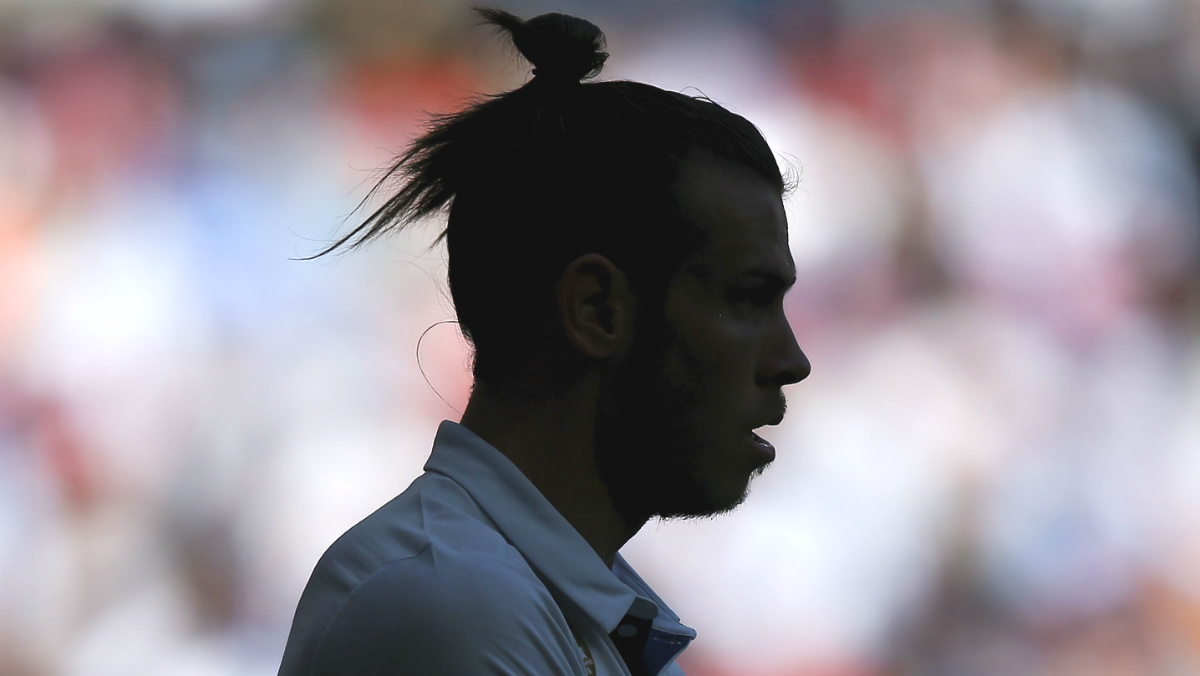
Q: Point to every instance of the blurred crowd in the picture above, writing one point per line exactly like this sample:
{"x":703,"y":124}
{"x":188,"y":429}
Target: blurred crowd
{"x":994,"y":469}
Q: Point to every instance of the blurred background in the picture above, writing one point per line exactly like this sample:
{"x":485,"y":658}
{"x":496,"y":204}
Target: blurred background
{"x":994,"y":469}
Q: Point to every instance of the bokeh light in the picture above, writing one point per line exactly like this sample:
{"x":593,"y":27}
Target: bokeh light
{"x":994,"y":469}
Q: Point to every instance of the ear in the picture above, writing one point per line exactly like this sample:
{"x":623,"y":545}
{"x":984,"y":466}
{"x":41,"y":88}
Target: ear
{"x":595,"y":306}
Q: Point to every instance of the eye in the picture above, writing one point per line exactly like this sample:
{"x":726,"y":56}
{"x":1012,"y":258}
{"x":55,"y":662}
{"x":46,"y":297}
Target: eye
{"x":757,"y":296}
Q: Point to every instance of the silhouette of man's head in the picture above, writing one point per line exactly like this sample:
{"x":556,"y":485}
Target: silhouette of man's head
{"x":671,"y":197}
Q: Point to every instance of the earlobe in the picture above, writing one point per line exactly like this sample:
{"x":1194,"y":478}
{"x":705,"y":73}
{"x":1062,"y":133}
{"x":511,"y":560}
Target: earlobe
{"x":595,"y":306}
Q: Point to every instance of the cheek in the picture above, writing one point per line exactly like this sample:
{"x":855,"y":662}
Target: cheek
{"x":703,"y":402}
{"x":718,"y":356}
{"x":705,"y":371}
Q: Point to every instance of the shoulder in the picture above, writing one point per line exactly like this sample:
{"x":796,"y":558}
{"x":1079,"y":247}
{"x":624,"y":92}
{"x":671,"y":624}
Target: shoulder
{"x":448,"y":612}
{"x":425,"y":585}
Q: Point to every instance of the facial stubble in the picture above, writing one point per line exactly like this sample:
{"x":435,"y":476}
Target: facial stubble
{"x":649,"y":439}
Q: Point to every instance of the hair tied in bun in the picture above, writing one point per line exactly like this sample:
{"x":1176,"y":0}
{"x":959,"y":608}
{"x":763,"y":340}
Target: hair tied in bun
{"x":562,"y":48}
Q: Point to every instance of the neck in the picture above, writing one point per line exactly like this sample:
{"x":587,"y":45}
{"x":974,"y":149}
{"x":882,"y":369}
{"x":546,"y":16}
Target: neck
{"x":550,"y":436}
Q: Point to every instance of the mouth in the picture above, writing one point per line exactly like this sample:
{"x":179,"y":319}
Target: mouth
{"x":774,"y":415}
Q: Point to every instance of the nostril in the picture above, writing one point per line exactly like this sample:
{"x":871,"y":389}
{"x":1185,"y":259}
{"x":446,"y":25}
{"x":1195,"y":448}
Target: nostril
{"x":805,"y":367}
{"x":797,"y":367}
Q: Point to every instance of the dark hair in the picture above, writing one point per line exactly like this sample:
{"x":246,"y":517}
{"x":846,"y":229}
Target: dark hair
{"x":535,"y":177}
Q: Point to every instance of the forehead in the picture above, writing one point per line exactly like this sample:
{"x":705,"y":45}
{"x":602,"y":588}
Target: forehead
{"x":741,"y":216}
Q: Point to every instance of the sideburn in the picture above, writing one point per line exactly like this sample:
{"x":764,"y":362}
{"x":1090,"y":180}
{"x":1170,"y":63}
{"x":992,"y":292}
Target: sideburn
{"x":639,"y":457}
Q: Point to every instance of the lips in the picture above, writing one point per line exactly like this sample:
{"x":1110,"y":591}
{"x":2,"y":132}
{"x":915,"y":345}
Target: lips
{"x":773,"y":415}
{"x":771,"y":420}
{"x":763,"y":446}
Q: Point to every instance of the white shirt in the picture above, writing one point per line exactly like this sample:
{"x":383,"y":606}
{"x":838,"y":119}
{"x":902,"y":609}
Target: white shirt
{"x":472,"y":571}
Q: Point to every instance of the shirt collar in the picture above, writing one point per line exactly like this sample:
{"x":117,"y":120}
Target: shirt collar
{"x":566,"y":563}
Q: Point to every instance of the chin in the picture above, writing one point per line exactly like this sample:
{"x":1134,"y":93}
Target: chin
{"x":702,"y":510}
{"x":707,"y":499}
{"x":669,"y":473}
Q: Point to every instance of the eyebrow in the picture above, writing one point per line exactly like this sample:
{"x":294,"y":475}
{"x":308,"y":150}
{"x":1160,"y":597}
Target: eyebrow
{"x":771,"y":276}
{"x":785,"y":280}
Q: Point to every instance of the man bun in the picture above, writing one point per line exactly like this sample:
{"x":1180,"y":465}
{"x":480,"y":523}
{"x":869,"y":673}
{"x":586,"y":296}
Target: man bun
{"x":533,"y":178}
{"x":562,"y":48}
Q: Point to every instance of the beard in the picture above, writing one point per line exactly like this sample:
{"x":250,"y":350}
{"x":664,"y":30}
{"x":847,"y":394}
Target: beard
{"x":649,"y":437}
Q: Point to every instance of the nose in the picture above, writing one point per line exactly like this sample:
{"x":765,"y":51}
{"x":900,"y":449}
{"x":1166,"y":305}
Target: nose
{"x":786,"y":362}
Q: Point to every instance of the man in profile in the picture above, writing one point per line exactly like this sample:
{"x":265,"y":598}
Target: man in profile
{"x":618,"y":257}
